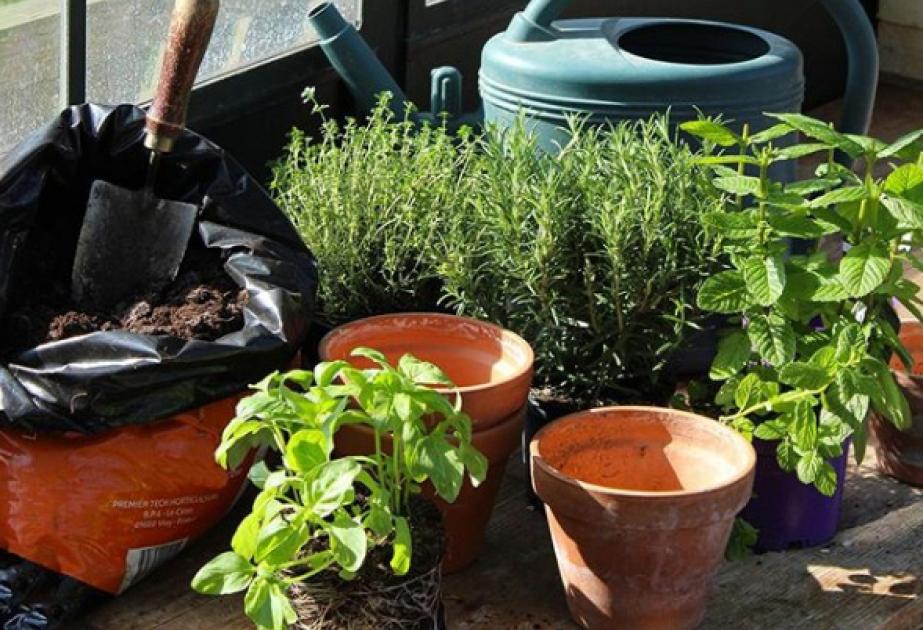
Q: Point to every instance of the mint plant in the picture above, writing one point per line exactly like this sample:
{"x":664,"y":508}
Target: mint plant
{"x":317,"y":514}
{"x":812,"y":333}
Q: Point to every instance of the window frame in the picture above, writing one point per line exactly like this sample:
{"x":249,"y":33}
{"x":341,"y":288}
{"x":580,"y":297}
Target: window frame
{"x":222,"y":98}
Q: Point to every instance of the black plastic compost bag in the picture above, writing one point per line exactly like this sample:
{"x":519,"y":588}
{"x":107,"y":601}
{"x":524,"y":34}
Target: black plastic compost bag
{"x":104,"y":380}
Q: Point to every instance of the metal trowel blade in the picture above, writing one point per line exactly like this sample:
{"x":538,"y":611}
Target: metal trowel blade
{"x":131,"y":243}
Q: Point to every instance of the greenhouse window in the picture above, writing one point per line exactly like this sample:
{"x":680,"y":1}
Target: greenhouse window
{"x":55,"y":53}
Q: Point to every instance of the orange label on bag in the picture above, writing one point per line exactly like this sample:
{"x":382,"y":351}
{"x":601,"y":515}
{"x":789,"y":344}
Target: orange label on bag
{"x":108,"y":509}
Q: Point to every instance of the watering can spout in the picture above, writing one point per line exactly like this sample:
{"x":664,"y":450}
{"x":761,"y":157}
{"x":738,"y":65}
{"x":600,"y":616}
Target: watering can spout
{"x":354,"y":61}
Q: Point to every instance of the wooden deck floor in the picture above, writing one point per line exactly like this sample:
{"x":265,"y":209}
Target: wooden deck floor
{"x":869,"y":577}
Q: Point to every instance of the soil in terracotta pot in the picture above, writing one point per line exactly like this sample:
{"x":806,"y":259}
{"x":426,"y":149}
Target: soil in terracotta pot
{"x":377,"y":599}
{"x":202,"y":303}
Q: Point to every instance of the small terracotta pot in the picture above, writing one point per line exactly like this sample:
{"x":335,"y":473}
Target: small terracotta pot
{"x":640,"y":504}
{"x":900,"y":453}
{"x":491,"y":367}
{"x":465,"y":521}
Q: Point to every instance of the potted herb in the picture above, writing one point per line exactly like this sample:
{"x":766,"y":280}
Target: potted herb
{"x":333,"y":542}
{"x":368,"y":198}
{"x":490,"y":370}
{"x":594,"y":255}
{"x":807,"y":354}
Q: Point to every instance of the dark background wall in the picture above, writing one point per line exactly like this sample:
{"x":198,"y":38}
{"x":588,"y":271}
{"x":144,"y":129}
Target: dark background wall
{"x":412,"y":38}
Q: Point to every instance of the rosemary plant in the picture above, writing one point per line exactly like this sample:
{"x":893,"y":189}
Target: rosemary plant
{"x":369,"y":199}
{"x":594,"y":255}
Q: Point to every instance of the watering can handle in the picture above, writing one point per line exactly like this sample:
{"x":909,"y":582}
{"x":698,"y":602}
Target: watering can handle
{"x":534,"y":23}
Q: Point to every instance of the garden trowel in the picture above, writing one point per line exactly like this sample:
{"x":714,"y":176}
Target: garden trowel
{"x":131,"y":241}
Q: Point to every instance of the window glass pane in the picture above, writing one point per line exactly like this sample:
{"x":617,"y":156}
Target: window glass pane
{"x":29,"y":39}
{"x":126,"y":39}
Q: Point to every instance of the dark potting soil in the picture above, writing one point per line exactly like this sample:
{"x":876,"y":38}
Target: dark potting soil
{"x":203,"y":303}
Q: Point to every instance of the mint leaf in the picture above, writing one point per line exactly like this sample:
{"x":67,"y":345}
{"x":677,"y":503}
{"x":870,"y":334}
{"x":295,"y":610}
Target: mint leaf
{"x":805,"y":375}
{"x":809,"y":467}
{"x":840,"y":195}
{"x":786,"y":455}
{"x":798,"y":151}
{"x":825,"y":480}
{"x":907,"y":213}
{"x":904,"y":142}
{"x":725,"y":292}
{"x":819,"y":130}
{"x":712,"y":132}
{"x":773,"y":338}
{"x":771,"y":430}
{"x":865,"y":267}
{"x":906,"y":181}
{"x":733,"y":353}
{"x":738,"y":185}
{"x":765,"y":278}
{"x":803,"y":427}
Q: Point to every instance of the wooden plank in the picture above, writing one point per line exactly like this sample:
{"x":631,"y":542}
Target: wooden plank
{"x":905,"y":12}
{"x":901,"y":49}
{"x":868,"y":578}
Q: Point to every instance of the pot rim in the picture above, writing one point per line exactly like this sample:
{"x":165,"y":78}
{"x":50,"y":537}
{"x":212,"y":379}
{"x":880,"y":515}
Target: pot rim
{"x":588,"y":415}
{"x":525,"y":368}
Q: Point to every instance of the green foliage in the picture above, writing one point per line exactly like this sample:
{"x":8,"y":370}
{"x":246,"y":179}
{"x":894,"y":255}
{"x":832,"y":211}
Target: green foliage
{"x":819,"y":330}
{"x":743,"y":538}
{"x":317,"y":514}
{"x":369,"y":199}
{"x":593,"y":255}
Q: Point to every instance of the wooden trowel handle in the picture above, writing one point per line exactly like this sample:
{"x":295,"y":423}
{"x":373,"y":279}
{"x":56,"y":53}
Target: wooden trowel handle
{"x":191,"y":28}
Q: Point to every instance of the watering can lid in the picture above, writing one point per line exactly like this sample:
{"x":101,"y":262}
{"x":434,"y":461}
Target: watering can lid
{"x":590,"y":63}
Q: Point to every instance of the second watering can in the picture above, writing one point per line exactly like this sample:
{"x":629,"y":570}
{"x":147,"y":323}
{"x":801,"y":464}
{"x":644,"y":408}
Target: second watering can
{"x":611,"y":69}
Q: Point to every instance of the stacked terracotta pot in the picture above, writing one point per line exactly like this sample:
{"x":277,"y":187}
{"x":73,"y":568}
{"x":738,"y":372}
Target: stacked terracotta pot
{"x":492,"y":369}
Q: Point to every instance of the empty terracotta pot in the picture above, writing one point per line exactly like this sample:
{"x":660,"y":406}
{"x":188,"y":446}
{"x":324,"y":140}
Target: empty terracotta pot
{"x":491,"y":366}
{"x":900,"y":453}
{"x":465,"y":520}
{"x":640,"y":504}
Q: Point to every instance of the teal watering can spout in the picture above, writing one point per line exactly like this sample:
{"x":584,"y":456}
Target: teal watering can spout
{"x":354,"y":61}
{"x":366,"y":77}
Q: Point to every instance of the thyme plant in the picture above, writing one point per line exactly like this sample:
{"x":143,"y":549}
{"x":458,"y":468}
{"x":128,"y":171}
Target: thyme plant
{"x":812,"y":333}
{"x":369,"y":198}
{"x":593,"y":255}
{"x":315,"y":513}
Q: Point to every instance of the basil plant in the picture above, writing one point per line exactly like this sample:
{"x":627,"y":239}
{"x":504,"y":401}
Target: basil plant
{"x":812,"y":333}
{"x":317,"y":513}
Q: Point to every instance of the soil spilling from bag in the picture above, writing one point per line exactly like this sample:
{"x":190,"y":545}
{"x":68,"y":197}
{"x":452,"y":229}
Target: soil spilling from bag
{"x":203,"y":303}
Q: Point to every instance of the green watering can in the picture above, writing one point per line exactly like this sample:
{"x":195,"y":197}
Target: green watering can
{"x":610,"y":69}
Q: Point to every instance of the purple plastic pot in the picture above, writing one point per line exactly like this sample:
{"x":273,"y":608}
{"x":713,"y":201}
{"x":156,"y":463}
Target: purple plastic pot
{"x":788,"y":513}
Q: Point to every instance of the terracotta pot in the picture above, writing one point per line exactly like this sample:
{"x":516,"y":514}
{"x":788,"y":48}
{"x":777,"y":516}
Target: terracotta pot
{"x":465,"y":521}
{"x":491,"y":367}
{"x":900,"y":453}
{"x":640,"y":504}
